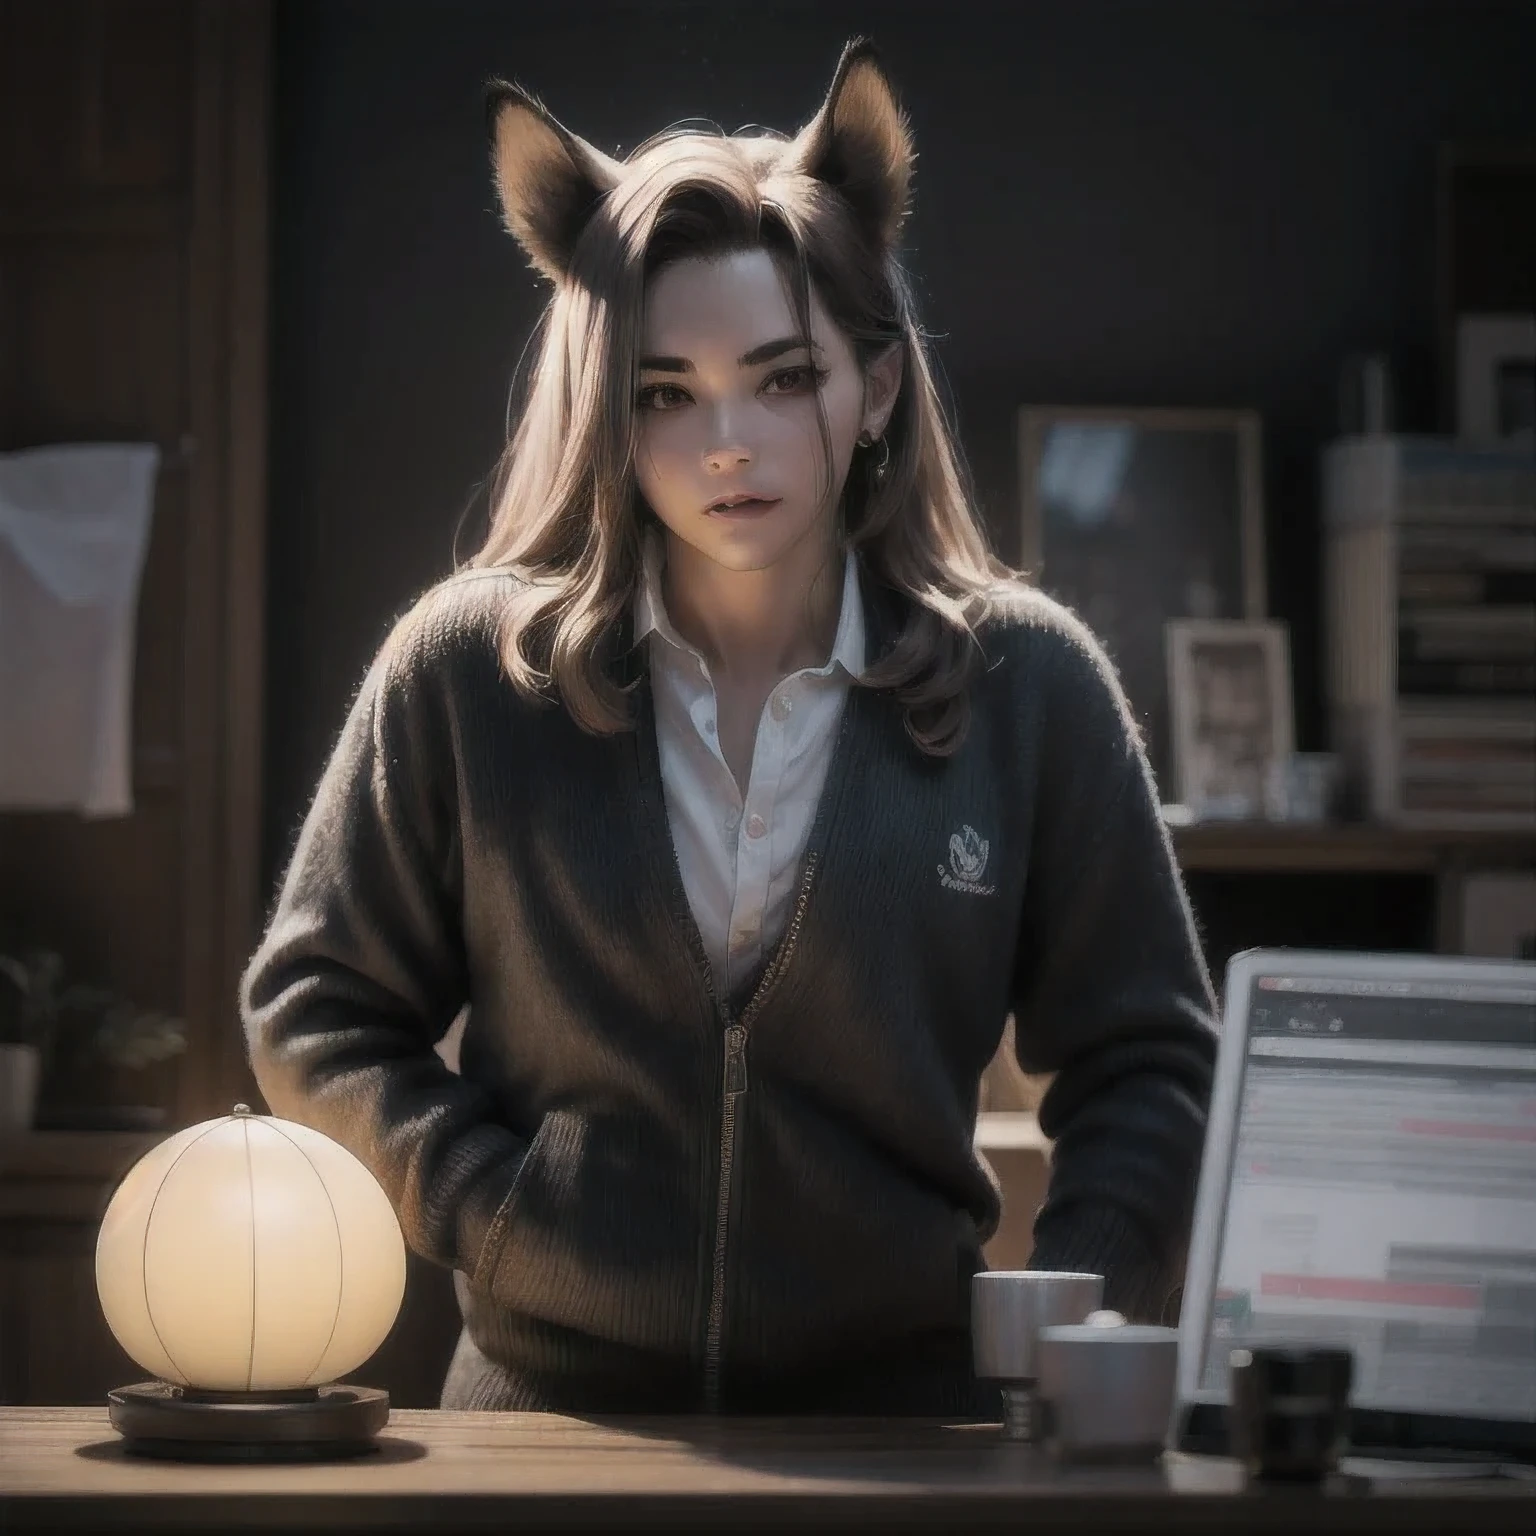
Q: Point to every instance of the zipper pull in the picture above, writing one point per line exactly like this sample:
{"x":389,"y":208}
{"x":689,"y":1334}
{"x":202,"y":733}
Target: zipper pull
{"x":736,"y":1059}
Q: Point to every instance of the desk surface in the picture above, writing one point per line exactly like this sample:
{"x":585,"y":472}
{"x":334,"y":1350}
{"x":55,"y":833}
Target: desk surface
{"x":64,"y":1468}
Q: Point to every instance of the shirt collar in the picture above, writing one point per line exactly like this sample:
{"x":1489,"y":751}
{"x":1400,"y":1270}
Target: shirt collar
{"x":848,"y":645}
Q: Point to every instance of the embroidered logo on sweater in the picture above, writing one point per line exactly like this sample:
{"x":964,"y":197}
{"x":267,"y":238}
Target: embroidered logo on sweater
{"x":967,"y":864}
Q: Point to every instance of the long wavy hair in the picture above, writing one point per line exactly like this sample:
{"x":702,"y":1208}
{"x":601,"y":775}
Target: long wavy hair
{"x":567,"y":516}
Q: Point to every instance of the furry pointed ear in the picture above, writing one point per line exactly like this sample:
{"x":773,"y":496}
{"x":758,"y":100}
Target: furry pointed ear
{"x":549,"y":179}
{"x":859,"y":143}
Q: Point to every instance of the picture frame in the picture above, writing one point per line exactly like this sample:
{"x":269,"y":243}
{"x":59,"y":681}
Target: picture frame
{"x":1133,"y":516}
{"x":1496,"y":380}
{"x":1229,"y":684}
{"x":1485,"y":245}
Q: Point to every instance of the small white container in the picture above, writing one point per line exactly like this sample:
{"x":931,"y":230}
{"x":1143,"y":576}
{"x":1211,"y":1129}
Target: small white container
{"x":20,"y":1069}
{"x":1107,"y":1389}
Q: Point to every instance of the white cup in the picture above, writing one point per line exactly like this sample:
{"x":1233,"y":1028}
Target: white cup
{"x":1009,"y":1307}
{"x":1107,"y":1389}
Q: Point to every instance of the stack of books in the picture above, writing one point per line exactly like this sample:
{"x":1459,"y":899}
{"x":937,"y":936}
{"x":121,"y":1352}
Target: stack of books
{"x":1430,"y":565}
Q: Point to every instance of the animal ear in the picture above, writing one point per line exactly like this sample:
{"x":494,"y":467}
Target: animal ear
{"x":859,"y":142}
{"x":549,"y":179}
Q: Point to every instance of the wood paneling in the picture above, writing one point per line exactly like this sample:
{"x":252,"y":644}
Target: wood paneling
{"x":48,"y":1272}
{"x":95,"y":93}
{"x":133,"y":307}
{"x":55,"y":1346}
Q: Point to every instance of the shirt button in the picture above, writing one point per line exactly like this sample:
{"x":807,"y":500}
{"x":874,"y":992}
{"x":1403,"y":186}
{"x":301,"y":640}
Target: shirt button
{"x":756,"y":826}
{"x":781,"y":706}
{"x":709,"y":727}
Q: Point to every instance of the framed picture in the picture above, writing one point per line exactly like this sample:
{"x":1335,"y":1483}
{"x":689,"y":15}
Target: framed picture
{"x":1229,"y":682}
{"x":1133,"y":517}
{"x":1485,"y":247}
{"x":1496,"y":380}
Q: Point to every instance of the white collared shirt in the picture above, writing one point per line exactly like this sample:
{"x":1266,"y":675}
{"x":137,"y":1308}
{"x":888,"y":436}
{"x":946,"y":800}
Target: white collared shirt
{"x":740,"y":858}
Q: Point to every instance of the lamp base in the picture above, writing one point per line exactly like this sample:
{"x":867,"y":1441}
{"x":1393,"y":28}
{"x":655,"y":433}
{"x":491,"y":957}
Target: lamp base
{"x":329,"y":1423}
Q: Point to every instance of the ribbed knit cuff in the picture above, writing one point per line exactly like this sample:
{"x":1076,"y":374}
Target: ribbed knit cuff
{"x":1099,"y":1238}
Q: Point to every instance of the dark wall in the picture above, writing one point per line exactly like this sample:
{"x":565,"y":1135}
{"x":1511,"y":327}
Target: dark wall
{"x":1177,"y":203}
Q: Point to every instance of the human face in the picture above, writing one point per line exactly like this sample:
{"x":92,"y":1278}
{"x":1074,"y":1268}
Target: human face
{"x":727,"y":412}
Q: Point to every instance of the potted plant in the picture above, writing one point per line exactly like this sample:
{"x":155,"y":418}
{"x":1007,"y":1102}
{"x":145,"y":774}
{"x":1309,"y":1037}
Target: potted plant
{"x":23,"y":1033}
{"x":48,"y":1021}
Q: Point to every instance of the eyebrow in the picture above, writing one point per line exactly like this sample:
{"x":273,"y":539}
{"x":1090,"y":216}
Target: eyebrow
{"x":764,"y":352}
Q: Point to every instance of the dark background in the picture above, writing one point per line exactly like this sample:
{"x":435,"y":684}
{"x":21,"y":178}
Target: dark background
{"x":1182,"y":203}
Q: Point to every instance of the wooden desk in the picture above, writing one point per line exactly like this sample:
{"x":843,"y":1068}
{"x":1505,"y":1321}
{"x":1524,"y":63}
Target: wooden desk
{"x":64,"y":1469}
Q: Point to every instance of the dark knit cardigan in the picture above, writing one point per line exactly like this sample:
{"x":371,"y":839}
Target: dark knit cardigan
{"x":661,"y":1198}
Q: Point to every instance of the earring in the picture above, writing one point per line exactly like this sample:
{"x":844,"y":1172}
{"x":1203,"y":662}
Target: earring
{"x":883,"y":463}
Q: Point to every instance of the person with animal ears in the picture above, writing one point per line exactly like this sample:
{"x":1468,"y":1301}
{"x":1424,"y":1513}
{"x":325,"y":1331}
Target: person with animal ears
{"x":739,"y":796}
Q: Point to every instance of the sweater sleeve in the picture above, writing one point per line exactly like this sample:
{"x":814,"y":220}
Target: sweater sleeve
{"x":362,"y":969}
{"x":1111,"y":997}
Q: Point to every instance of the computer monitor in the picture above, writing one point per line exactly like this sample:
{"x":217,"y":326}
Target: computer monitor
{"x":1369,"y":1181}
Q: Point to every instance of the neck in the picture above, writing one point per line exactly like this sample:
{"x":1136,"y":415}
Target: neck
{"x":756,"y":625}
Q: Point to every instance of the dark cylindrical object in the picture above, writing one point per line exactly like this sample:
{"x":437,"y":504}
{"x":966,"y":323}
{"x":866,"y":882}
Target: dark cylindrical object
{"x":1288,"y":1413}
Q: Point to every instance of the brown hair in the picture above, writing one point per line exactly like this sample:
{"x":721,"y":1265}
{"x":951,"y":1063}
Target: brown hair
{"x":566,"y":512}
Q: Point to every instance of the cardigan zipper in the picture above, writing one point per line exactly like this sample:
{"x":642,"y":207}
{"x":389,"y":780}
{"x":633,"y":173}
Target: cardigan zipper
{"x":733,"y":1087}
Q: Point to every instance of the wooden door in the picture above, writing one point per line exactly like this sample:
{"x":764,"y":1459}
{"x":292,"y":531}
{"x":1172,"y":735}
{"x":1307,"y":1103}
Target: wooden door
{"x":133,"y":245}
{"x":133,"y":308}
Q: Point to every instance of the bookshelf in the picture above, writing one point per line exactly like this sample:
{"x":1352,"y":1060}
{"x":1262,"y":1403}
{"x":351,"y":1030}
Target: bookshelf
{"x":1327,"y":867}
{"x":1429,"y":559}
{"x":1263,"y":847}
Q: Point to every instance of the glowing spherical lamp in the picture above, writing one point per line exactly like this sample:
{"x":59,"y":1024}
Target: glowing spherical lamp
{"x":247,"y":1262}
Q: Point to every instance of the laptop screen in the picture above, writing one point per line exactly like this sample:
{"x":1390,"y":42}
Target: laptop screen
{"x":1380,"y":1188}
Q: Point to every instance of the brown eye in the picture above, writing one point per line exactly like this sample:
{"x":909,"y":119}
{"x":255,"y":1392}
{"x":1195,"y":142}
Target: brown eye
{"x":794,"y":381}
{"x":661,"y":397}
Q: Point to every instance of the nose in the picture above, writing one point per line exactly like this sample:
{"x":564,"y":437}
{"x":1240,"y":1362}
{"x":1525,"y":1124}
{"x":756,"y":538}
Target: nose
{"x":725,"y":457}
{"x":727,"y":448}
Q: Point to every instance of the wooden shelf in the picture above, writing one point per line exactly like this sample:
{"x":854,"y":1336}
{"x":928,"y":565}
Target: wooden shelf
{"x":1007,"y":1130}
{"x":1261,"y":847}
{"x":66,"y":1175}
{"x":73,"y":1154}
{"x":51,"y":211}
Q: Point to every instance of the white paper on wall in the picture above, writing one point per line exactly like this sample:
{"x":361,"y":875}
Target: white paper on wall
{"x":74,"y":530}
